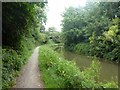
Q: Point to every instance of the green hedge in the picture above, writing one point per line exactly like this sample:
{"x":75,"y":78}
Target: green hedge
{"x":13,"y":60}
{"x":10,"y":65}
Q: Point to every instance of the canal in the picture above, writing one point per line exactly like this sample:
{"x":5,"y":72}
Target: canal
{"x":108,"y":71}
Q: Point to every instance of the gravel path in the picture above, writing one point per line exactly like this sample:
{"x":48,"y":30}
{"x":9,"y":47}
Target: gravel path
{"x":30,"y":76}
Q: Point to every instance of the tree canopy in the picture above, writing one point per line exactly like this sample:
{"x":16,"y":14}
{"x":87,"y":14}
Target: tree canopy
{"x":95,"y":24}
{"x":20,"y":19}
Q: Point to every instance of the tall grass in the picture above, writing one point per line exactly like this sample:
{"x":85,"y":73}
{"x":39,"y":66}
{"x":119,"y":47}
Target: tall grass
{"x":56,"y":72}
{"x":82,"y":48}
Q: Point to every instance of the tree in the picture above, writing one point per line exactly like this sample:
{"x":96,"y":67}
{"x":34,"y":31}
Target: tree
{"x":94,"y":25}
{"x":18,"y":20}
{"x":54,"y":35}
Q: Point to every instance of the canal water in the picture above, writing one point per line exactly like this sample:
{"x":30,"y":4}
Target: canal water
{"x":108,"y":71}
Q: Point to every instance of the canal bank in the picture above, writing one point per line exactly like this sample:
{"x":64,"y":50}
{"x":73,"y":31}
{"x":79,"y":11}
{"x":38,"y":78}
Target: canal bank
{"x":108,"y":71}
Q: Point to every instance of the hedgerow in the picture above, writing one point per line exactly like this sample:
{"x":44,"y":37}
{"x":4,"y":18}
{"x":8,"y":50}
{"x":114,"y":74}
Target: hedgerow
{"x":58,"y":72}
{"x":21,"y":25}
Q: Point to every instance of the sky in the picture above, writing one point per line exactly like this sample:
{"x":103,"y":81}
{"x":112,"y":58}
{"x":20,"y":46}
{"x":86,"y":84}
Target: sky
{"x":55,"y":9}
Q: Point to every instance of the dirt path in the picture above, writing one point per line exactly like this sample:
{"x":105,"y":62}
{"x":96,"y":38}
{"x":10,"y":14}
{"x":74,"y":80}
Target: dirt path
{"x":30,"y":76}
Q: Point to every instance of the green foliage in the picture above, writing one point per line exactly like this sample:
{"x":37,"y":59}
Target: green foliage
{"x":110,"y":84}
{"x":91,"y":74}
{"x":20,"y":34}
{"x":82,"y":48}
{"x":54,"y":35}
{"x":20,"y":19}
{"x":43,"y":38}
{"x":12,"y":61}
{"x":40,"y":38}
{"x":107,"y":45}
{"x":56,"y":72}
{"x":110,"y":9}
{"x":94,"y":25}
{"x":60,"y":73}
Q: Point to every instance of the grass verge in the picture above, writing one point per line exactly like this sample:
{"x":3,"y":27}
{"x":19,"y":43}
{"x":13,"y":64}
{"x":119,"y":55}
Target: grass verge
{"x":56,"y":72}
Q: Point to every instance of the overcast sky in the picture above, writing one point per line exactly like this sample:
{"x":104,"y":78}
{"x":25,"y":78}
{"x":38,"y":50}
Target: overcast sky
{"x":55,"y":9}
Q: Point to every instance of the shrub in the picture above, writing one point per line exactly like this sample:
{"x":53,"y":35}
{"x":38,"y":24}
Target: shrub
{"x":20,"y":34}
{"x":57,"y":72}
{"x":91,"y":74}
{"x":82,"y":48}
{"x":110,"y":84}
{"x":60,"y":73}
{"x":13,"y":60}
{"x":10,"y":64}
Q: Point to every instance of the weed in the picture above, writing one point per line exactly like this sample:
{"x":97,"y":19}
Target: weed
{"x":58,"y":72}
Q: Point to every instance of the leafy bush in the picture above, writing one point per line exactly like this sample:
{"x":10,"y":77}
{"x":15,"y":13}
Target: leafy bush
{"x":20,"y":34}
{"x":13,"y":60}
{"x":60,"y":73}
{"x":100,"y":30}
{"x":55,"y":70}
{"x":82,"y":48}
{"x":110,"y":84}
{"x":91,"y":74}
{"x":43,"y":38}
{"x":20,"y":19}
{"x":11,"y":63}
